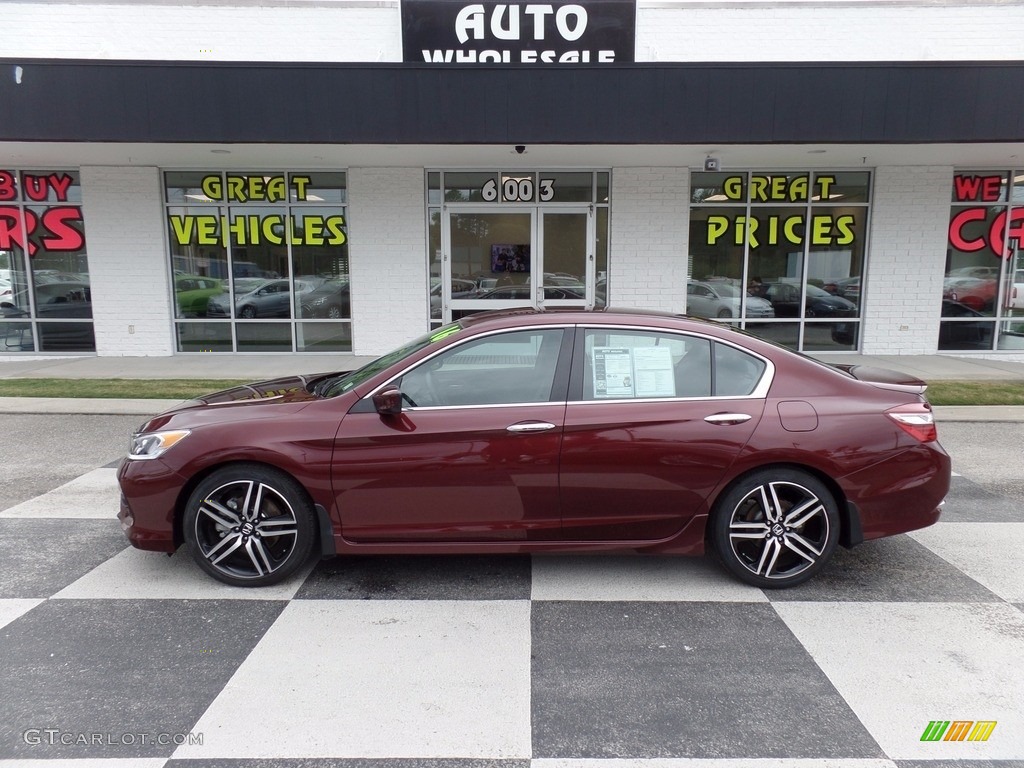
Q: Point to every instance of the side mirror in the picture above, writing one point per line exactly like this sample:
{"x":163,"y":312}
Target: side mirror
{"x":388,"y":401}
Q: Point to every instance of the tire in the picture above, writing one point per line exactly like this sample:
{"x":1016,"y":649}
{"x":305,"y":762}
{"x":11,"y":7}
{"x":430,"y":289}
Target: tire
{"x":775,"y":528}
{"x":255,"y":546}
{"x":334,"y":312}
{"x":248,"y":312}
{"x":723,"y":312}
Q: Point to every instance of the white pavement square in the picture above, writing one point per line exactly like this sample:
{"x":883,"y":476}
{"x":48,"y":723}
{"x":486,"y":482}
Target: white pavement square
{"x":990,"y":553}
{"x":901,"y":665}
{"x":380,"y":678}
{"x":93,"y":496}
{"x":137,"y":575}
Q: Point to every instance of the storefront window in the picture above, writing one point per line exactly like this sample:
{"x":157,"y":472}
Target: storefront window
{"x":254,"y":256}
{"x":983,"y":290}
{"x":45,"y":296}
{"x":780,"y":254}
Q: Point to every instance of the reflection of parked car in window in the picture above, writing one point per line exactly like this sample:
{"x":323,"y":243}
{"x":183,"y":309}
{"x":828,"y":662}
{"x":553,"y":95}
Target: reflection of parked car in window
{"x":267,"y":298}
{"x":785,"y":299}
{"x":525,"y":293}
{"x":722,"y":300}
{"x":58,"y":300}
{"x":978,"y":294}
{"x":985,"y":273}
{"x":193,"y":293}
{"x":332,"y":300}
{"x":461,"y":289}
{"x":1015,"y":299}
{"x":964,"y":335}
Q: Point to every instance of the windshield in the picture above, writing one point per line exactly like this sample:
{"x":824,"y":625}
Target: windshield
{"x":346,"y":382}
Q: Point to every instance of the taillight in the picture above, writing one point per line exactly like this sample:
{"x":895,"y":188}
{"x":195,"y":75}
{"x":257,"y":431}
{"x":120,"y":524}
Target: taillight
{"x":916,"y":419}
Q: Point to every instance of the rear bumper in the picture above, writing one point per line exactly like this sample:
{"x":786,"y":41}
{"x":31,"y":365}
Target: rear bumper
{"x":903,"y":494}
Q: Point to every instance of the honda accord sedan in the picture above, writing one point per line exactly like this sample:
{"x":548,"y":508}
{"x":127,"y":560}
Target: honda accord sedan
{"x":532,"y":431}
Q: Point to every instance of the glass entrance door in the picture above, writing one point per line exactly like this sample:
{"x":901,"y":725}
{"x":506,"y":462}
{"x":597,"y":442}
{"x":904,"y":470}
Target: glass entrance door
{"x":567,"y":261}
{"x":514,"y":258}
{"x":488,"y":261}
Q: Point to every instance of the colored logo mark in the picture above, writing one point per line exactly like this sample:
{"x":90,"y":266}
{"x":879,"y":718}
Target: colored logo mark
{"x":958,"y":730}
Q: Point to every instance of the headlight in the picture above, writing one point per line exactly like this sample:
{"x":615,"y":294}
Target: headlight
{"x":150,"y":445}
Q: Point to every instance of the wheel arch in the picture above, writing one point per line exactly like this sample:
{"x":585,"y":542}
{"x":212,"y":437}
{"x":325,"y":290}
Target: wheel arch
{"x":850,"y":532}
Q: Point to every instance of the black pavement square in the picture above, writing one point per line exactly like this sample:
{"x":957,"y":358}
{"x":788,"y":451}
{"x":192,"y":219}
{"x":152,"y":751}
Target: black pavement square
{"x":109,"y":677}
{"x":968,"y":502}
{"x":41,"y":556}
{"x":420,"y":577}
{"x":696,"y":680}
{"x":897,"y":569}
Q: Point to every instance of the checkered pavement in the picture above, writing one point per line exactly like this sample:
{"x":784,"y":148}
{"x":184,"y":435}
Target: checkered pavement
{"x":114,"y":657}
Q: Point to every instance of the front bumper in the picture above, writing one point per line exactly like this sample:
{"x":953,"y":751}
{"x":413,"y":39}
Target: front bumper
{"x":149,"y":498}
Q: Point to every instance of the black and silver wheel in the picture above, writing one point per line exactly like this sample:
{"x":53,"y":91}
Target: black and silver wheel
{"x":775,"y":528}
{"x":334,"y":312}
{"x":249,"y":525}
{"x":248,"y":312}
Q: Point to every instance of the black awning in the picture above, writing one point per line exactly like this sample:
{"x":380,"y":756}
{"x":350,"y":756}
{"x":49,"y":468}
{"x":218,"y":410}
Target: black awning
{"x":93,"y":101}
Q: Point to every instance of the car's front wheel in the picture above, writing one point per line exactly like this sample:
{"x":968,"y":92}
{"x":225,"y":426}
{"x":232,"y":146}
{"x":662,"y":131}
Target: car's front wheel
{"x":775,"y":528}
{"x":249,"y":525}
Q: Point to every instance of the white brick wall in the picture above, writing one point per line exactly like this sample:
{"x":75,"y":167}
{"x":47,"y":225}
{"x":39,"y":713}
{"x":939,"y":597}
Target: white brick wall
{"x":907,"y":259}
{"x":387,"y":257}
{"x":650,"y":238}
{"x":204,"y":31}
{"x":823,"y":31}
{"x":128,"y":268}
{"x":684,"y":30}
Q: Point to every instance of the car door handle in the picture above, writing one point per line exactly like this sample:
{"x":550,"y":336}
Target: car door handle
{"x":727,"y":419}
{"x":530,"y":426}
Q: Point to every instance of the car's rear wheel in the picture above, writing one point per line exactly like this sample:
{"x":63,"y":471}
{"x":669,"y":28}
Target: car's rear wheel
{"x":249,"y":525}
{"x":775,"y":528}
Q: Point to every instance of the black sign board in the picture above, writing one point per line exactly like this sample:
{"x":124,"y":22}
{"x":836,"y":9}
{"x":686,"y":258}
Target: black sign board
{"x":541,"y":33}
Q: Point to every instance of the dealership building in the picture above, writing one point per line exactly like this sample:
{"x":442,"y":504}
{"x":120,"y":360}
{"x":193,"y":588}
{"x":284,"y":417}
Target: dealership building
{"x":336,"y":177}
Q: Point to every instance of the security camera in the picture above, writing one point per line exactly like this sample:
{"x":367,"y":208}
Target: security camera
{"x":520,"y":149}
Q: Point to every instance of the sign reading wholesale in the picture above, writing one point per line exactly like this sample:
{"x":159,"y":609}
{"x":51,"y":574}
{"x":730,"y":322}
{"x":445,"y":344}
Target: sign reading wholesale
{"x":584,"y":32}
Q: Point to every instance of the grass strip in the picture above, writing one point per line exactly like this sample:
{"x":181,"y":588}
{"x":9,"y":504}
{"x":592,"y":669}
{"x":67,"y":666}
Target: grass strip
{"x":159,"y":389}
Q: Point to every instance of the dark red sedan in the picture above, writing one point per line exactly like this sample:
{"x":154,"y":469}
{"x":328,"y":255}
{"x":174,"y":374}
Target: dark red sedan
{"x":529,"y":431}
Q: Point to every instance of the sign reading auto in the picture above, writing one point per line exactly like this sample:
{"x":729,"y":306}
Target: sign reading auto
{"x":587,"y":32}
{"x":53,"y":227}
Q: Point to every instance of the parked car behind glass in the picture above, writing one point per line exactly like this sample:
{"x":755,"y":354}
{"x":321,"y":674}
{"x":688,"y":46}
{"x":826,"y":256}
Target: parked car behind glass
{"x":722,"y":300}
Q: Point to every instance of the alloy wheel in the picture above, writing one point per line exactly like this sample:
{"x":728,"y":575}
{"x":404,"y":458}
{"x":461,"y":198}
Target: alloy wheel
{"x":245,"y":529}
{"x":779,"y":530}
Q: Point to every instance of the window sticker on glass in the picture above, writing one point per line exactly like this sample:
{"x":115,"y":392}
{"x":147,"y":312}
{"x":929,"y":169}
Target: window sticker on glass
{"x":627,"y":373}
{"x":613,"y":372}
{"x":653,"y":374}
